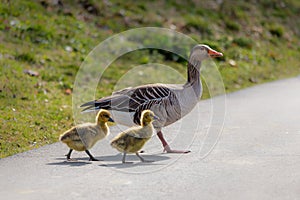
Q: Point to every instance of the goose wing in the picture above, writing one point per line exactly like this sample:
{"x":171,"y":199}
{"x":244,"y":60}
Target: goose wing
{"x":137,"y":99}
{"x":129,"y":99}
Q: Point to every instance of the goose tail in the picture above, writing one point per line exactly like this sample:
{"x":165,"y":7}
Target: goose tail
{"x":96,"y":105}
{"x":89,"y":109}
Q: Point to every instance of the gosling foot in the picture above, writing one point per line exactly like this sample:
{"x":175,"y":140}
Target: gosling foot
{"x":69,"y":155}
{"x":72,"y":160}
{"x":91,"y":157}
{"x":142,"y":159}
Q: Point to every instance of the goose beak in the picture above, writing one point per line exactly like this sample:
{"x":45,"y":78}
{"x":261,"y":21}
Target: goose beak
{"x":212,"y":53}
{"x":111,"y":120}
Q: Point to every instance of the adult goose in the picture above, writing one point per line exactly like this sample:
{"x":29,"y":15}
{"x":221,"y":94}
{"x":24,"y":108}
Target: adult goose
{"x":170,"y":102}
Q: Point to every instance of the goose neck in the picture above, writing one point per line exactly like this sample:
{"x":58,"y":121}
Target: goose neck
{"x":193,"y":77}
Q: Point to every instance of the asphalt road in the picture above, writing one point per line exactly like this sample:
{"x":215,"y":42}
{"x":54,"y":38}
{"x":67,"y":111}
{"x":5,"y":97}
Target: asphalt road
{"x":252,"y":153}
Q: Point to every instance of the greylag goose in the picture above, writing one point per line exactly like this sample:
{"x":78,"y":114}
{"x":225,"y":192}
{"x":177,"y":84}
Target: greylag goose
{"x":170,"y":102}
{"x":84,"y":136}
{"x":133,"y":139}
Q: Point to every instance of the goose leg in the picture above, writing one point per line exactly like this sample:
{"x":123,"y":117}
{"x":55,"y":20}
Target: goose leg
{"x":69,"y":154}
{"x":166,"y":145}
{"x":90,"y":155}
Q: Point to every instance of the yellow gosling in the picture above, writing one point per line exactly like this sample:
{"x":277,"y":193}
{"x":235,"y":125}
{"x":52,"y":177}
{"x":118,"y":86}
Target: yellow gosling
{"x":133,"y":139}
{"x":84,"y":136}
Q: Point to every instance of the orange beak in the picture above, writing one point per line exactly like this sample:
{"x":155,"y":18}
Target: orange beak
{"x":213,"y":53}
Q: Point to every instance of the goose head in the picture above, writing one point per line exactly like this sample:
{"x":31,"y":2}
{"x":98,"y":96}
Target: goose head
{"x":103,"y":116}
{"x":201,"y":52}
{"x":147,"y":117}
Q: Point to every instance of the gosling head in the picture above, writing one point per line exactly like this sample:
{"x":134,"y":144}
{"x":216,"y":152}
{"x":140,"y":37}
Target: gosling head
{"x":147,"y":117}
{"x":103,"y":116}
{"x":201,"y":52}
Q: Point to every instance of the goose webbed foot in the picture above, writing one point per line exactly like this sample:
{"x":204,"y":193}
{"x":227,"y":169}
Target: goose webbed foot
{"x":167,"y":149}
{"x":166,"y":146}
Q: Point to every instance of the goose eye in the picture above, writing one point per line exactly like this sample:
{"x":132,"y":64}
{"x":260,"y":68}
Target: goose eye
{"x":201,"y":48}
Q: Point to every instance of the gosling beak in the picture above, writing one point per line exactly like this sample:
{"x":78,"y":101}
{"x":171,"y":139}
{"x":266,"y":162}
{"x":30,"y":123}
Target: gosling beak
{"x":155,"y":117}
{"x":212,"y":53}
{"x":111,"y":120}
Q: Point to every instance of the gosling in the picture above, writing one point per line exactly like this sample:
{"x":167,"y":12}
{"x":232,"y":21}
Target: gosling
{"x":84,"y":136}
{"x":133,"y":139}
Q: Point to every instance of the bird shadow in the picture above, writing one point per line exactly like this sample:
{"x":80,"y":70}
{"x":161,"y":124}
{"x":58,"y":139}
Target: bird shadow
{"x":77,"y":162}
{"x":132,"y":160}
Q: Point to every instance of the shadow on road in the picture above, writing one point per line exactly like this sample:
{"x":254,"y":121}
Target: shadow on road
{"x":113,"y":161}
{"x":76,"y":162}
{"x":132,"y":160}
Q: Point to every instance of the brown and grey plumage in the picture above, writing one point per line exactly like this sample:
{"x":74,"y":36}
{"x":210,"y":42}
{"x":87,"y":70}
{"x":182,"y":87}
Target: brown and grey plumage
{"x":133,"y":139}
{"x":84,"y":136}
{"x":170,"y":102}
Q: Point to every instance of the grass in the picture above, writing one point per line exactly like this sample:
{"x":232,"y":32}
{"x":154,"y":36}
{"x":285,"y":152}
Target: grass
{"x":34,"y":110}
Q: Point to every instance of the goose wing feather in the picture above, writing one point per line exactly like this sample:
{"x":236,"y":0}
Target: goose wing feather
{"x":130,"y":99}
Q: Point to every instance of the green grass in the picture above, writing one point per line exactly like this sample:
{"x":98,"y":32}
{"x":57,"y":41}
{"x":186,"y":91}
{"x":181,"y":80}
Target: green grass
{"x":34,"y":110}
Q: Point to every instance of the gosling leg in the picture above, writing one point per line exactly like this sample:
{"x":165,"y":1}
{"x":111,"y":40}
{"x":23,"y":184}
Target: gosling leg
{"x":90,"y":155}
{"x":141,"y":158}
{"x":124,"y":156}
{"x":69,"y":154}
{"x":123,"y":160}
